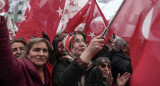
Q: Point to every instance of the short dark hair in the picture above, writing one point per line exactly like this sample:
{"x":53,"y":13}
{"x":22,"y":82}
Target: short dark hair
{"x":81,"y":33}
{"x":18,"y":40}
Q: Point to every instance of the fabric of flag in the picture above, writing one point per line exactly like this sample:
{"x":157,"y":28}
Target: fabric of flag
{"x":127,"y":18}
{"x":89,"y":19}
{"x":145,"y":49}
{"x":30,"y":26}
{"x":72,"y":7}
{"x":10,"y":29}
{"x":41,"y":15}
{"x":3,"y":6}
{"x":13,"y":4}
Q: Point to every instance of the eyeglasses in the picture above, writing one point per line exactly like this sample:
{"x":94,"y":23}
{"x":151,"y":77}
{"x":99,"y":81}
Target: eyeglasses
{"x":104,"y":66}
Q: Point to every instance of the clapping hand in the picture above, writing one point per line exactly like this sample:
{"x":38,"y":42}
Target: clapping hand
{"x":121,"y":81}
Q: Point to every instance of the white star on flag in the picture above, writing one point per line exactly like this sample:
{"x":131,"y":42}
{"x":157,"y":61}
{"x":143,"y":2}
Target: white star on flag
{"x":91,"y":34}
{"x":23,"y":18}
{"x":90,"y":2}
{"x":29,"y":7}
{"x":60,"y":11}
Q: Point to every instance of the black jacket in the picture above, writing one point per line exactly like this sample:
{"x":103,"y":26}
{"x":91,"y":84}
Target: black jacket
{"x":68,"y":73}
{"x":120,"y":64}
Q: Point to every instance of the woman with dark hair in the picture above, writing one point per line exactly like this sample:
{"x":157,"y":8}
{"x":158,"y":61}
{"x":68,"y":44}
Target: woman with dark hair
{"x":57,"y":50}
{"x":32,"y":70}
{"x":75,"y":68}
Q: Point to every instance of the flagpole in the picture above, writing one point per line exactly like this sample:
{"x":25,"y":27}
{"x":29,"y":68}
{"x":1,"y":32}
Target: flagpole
{"x":110,"y":22}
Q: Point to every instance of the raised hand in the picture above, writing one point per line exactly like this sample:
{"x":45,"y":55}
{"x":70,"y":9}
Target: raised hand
{"x":121,"y":81}
{"x":95,"y":45}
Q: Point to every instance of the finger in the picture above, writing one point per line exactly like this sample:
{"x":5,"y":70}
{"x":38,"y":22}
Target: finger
{"x":118,"y":75}
{"x":126,"y":74}
{"x":127,"y":78}
{"x":100,"y":40}
{"x":97,"y":37}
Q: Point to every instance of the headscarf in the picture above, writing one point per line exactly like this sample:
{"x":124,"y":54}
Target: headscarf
{"x":67,"y":47}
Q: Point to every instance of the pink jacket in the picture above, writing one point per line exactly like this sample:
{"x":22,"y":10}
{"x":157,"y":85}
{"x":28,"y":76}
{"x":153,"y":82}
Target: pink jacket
{"x":18,"y":72}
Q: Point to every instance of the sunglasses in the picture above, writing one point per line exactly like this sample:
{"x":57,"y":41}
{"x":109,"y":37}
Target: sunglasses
{"x":104,"y":66}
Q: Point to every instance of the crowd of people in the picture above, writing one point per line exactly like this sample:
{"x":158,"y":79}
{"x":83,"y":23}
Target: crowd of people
{"x":66,"y":62}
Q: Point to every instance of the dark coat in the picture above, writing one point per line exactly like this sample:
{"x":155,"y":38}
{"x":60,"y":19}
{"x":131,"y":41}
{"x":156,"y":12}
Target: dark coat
{"x":17,"y":72}
{"x":68,"y":73}
{"x":120,"y":64}
{"x":103,"y":53}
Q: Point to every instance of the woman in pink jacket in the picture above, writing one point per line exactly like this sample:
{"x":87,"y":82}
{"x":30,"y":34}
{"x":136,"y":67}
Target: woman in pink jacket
{"x":32,"y":70}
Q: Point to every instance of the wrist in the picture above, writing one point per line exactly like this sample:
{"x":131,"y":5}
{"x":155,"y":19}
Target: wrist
{"x":86,"y":56}
{"x":82,"y":63}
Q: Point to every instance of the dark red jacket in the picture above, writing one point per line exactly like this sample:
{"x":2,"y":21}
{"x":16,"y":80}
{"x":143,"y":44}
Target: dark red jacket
{"x":18,"y":72}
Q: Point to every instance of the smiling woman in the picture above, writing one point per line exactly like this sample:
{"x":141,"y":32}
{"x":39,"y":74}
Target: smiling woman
{"x":18,"y":46}
{"x":32,"y":70}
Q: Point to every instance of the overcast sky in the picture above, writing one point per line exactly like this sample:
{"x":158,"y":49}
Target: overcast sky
{"x":110,"y":8}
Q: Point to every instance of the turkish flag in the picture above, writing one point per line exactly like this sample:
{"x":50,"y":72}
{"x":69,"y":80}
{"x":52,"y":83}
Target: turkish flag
{"x":89,"y":19}
{"x":3,"y":6}
{"x":41,"y":15}
{"x":145,"y":49}
{"x":30,"y":26}
{"x":125,"y":22}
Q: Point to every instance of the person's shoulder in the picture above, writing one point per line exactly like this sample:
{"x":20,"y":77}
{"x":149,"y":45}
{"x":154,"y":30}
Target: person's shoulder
{"x":119,"y":57}
{"x":63,"y":60}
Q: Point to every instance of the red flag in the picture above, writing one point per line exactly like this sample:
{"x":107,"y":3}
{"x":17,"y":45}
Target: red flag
{"x":89,"y":19}
{"x":30,"y":26}
{"x":44,"y":15}
{"x":49,"y":16}
{"x":126,"y":20}
{"x":145,"y":57}
{"x":3,"y":6}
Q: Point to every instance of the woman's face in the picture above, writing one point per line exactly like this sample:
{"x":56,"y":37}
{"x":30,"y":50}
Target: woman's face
{"x":79,"y":45}
{"x":105,"y":68}
{"x":17,"y":48}
{"x":59,"y":47}
{"x":39,"y":53}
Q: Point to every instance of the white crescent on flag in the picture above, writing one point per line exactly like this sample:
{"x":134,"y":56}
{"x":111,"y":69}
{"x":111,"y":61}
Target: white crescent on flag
{"x":147,"y":26}
{"x":2,"y":4}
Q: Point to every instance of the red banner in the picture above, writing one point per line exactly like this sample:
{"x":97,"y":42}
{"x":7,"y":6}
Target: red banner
{"x":41,"y":15}
{"x":89,"y":19}
{"x":145,"y":48}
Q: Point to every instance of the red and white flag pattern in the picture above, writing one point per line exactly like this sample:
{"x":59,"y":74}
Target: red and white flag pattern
{"x":145,"y":48}
{"x":41,"y":15}
{"x":3,"y":6}
{"x":89,"y":19}
{"x":126,"y":20}
{"x":138,"y":22}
